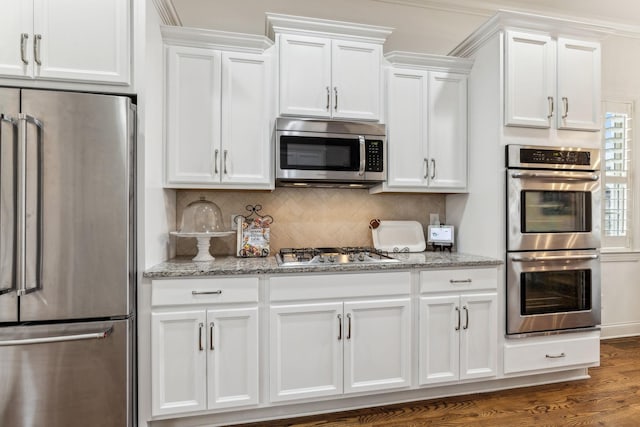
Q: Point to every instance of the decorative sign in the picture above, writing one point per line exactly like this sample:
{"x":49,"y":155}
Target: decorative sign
{"x":253,"y":233}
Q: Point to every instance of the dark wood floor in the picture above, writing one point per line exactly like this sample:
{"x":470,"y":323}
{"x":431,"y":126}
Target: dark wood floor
{"x":610,"y":398}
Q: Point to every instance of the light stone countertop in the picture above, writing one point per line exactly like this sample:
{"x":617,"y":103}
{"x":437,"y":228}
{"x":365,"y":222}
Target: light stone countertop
{"x":231,"y":265}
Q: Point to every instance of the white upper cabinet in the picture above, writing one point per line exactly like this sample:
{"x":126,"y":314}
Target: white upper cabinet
{"x":426,"y":123}
{"x":87,"y":41}
{"x":305,"y":76}
{"x":328,"y":69}
{"x":579,"y":84}
{"x":551,"y":82}
{"x":219,"y":112}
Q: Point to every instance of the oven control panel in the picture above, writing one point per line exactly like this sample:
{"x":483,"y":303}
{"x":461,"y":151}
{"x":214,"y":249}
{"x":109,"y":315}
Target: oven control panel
{"x":539,"y":157}
{"x":554,"y":157}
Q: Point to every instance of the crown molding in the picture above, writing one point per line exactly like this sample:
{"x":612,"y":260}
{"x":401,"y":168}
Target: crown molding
{"x":213,"y":39}
{"x":168,"y":13}
{"x":289,"y":24}
{"x":420,"y":61}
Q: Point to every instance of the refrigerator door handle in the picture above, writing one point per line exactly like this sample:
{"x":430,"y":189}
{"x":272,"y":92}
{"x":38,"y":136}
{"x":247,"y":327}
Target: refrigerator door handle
{"x":14,"y":124}
{"x":21,"y":240}
{"x":61,"y":338}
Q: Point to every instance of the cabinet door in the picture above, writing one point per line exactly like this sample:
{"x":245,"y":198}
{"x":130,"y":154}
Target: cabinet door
{"x":305,"y":76}
{"x":440,"y":323}
{"x":246,"y":125}
{"x":305,"y":351}
{"x":447,"y":130}
{"x":407,"y":106}
{"x":529,"y":80}
{"x":192,"y":115}
{"x":178,"y":362}
{"x":578,"y":85}
{"x":377,"y":346}
{"x":232,"y":361}
{"x":478,"y":339}
{"x":84,"y":41}
{"x":16,"y":31}
{"x":356,"y":80}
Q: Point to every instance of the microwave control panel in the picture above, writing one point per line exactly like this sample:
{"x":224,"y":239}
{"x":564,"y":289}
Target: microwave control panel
{"x":374,"y":156}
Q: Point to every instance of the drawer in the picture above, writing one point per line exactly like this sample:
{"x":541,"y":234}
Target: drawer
{"x":459,"y":279}
{"x":219,"y":290}
{"x":552,"y":354}
{"x":307,"y":287}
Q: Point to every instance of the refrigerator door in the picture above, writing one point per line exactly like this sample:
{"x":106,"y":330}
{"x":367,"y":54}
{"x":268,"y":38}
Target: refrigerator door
{"x":9,"y":110}
{"x":79,"y":206}
{"x":67,"y":375}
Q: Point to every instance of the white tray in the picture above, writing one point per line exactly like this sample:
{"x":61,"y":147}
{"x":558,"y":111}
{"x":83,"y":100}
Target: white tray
{"x":399,"y":236}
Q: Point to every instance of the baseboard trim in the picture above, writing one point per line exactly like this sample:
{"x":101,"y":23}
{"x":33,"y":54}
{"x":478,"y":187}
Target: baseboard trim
{"x":619,"y":330}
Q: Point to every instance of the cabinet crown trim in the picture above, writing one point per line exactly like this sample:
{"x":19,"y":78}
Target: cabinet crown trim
{"x":288,"y":24}
{"x":214,"y":39}
{"x":427,"y":61}
{"x":505,"y":19}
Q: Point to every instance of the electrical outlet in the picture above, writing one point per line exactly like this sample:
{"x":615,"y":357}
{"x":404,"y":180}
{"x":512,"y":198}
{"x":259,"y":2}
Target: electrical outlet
{"x":434,"y":219}
{"x":234,"y":225}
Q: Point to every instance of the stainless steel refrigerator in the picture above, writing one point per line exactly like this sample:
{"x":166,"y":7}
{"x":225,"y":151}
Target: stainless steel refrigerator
{"x":67,"y":259}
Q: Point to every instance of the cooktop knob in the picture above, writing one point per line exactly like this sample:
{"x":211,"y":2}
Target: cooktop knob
{"x":361,"y":256}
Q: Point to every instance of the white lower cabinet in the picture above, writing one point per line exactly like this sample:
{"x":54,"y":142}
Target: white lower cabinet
{"x":206,"y":357}
{"x":458,"y":330}
{"x":323,"y":349}
{"x":344,"y":343}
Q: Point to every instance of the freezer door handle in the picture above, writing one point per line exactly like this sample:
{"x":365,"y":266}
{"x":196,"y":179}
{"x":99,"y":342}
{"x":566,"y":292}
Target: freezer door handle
{"x":5,"y":118}
{"x":62,"y":338}
{"x":21,"y":240}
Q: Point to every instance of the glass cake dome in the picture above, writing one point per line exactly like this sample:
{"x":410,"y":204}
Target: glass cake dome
{"x":201,"y":216}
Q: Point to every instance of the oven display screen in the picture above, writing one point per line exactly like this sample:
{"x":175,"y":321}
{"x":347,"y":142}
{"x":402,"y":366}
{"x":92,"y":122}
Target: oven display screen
{"x":555,"y":157}
{"x":551,"y":292}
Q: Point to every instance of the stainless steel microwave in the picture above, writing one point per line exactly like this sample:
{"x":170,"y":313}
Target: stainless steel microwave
{"x":329,"y":153}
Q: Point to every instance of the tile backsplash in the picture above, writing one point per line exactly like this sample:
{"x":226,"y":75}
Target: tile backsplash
{"x":315,"y":217}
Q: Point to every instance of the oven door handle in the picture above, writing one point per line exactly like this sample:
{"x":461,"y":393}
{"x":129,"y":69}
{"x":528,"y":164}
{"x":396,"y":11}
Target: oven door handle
{"x":573,"y":176}
{"x":554,"y":258}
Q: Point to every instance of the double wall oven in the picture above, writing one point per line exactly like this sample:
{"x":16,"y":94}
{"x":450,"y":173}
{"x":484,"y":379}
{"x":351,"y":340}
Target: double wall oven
{"x":553,"y":239}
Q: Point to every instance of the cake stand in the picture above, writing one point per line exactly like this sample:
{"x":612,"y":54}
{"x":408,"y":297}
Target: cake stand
{"x":204,"y":242}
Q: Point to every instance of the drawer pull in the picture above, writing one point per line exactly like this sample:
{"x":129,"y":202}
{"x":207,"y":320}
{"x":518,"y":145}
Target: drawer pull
{"x":555,"y":356}
{"x":218,"y":292}
{"x":460,"y":281}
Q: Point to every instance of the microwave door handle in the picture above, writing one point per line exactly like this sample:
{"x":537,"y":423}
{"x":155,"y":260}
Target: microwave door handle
{"x":573,"y":176}
{"x":555,"y":258}
{"x":363,"y":160}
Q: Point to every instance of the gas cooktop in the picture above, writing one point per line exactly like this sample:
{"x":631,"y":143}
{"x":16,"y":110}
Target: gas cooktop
{"x":297,"y":257}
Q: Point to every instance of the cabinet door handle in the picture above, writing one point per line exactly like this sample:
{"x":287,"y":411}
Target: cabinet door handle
{"x":201,"y":326}
{"x":466,"y":322}
{"x":433,"y":168}
{"x":555,"y":356}
{"x":349,"y":327}
{"x":36,"y":48}
{"x":426,"y":168}
{"x":339,"y":327}
{"x":328,"y":98}
{"x":215,"y":161}
{"x":457,"y":328}
{"x":23,"y":48}
{"x":226,"y":154}
{"x":335,"y":90}
{"x":218,"y":292}
{"x":550,"y":99}
{"x":211,"y":326}
{"x":565,"y":103}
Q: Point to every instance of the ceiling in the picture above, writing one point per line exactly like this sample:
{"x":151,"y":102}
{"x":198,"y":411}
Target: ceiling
{"x":621,"y":12}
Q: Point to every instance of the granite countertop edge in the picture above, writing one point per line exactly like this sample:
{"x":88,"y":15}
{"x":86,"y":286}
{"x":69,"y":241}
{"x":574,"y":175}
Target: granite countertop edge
{"x":230,"y":265}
